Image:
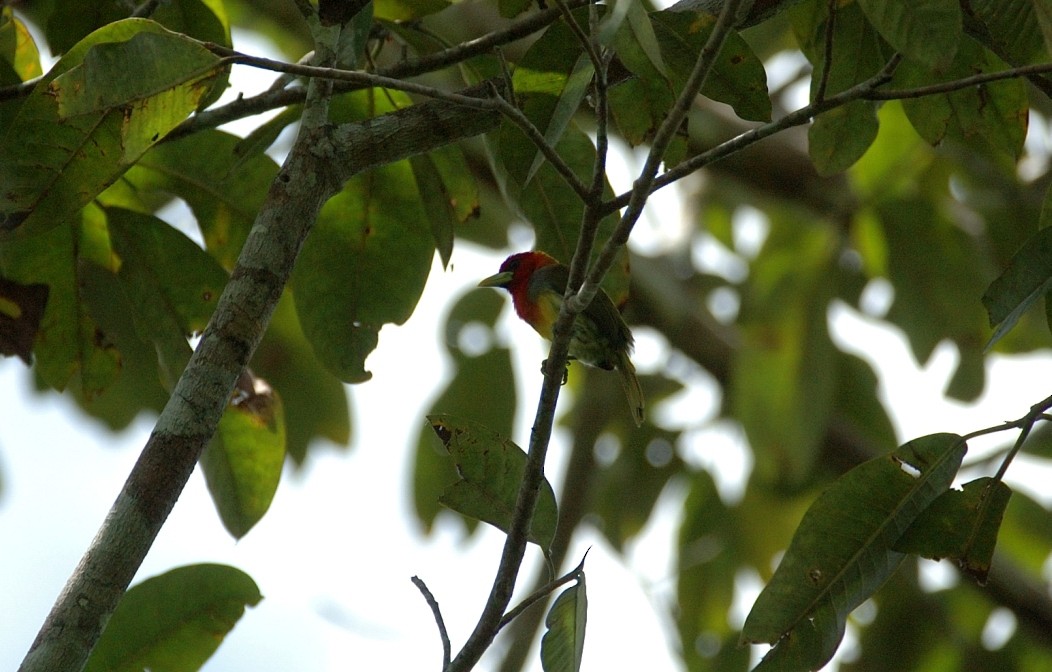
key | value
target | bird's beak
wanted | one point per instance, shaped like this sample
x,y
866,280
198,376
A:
x,y
498,280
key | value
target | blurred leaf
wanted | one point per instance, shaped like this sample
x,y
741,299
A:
x,y
1026,533
490,469
512,8
626,491
857,399
1027,279
562,646
926,30
56,165
17,48
961,525
21,307
479,365
242,464
785,374
843,550
407,10
996,112
174,622
315,401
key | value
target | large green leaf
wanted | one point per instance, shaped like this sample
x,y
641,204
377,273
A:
x,y
844,550
562,646
364,265
54,164
172,284
174,622
490,469
927,30
242,464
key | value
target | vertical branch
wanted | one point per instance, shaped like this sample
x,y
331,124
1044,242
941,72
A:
x,y
662,138
827,55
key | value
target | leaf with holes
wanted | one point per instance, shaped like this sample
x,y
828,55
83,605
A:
x,y
843,550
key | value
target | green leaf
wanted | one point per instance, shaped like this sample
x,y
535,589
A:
x,y
155,79
223,187
490,470
1027,279
17,48
737,78
407,10
1009,28
364,265
1043,13
927,30
242,464
961,525
995,113
172,283
448,192
843,550
563,644
174,622
56,165
840,136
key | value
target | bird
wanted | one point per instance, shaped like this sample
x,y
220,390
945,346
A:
x,y
537,283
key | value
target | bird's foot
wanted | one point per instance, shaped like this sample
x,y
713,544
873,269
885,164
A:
x,y
566,371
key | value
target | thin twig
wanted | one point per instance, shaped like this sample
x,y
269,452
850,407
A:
x,y
364,79
542,592
447,649
958,84
584,38
662,138
827,55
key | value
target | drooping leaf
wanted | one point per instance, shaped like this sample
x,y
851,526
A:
x,y
927,30
960,525
448,192
562,646
174,622
242,464
471,343
1027,279
844,550
490,469
838,138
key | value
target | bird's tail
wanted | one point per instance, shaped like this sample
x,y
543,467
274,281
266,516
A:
x,y
631,385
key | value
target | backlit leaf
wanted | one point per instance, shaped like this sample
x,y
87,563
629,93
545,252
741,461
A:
x,y
562,646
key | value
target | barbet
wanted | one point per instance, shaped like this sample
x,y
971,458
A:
x,y
600,338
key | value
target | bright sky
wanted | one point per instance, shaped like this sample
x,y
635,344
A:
x,y
334,555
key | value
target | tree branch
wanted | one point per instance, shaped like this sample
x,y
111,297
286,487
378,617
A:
x,y
439,621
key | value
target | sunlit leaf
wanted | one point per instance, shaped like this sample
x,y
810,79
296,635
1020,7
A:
x,y
562,646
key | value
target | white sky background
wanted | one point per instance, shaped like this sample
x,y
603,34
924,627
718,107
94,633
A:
x,y
334,555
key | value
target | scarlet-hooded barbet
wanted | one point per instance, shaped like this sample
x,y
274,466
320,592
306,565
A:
x,y
600,338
